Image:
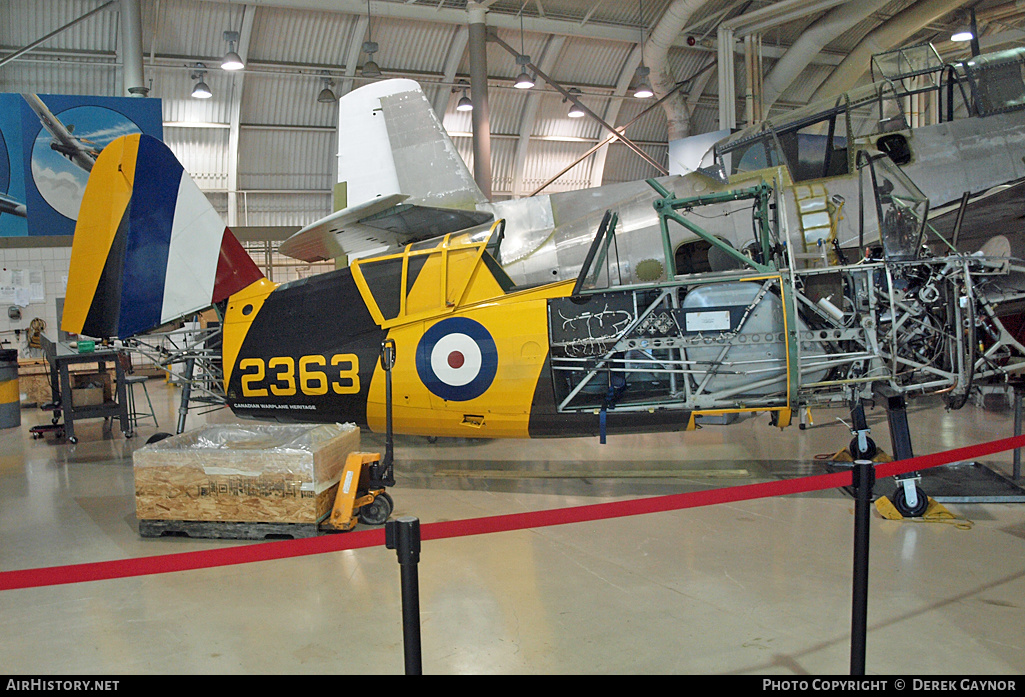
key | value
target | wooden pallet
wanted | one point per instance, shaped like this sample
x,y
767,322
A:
x,y
227,530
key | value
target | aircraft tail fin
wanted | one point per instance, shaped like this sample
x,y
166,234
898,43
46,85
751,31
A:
x,y
392,142
148,247
401,179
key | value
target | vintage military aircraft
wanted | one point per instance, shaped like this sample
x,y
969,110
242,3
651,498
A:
x,y
80,151
405,181
9,204
573,314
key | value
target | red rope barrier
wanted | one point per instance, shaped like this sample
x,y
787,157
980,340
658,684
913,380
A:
x,y
284,549
970,452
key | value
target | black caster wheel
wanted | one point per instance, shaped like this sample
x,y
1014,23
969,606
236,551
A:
x,y
157,437
857,454
377,512
900,502
73,440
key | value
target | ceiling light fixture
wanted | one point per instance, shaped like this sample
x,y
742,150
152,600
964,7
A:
x,y
643,90
575,110
968,30
232,61
370,68
523,80
327,96
200,90
464,103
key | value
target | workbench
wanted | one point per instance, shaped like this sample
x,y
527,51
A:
x,y
61,357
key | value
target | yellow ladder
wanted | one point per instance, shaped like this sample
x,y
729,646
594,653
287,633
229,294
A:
x,y
818,218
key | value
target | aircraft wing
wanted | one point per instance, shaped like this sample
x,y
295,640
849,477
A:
x,y
998,211
64,142
380,222
12,206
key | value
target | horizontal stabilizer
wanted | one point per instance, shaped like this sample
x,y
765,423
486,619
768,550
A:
x,y
148,247
378,223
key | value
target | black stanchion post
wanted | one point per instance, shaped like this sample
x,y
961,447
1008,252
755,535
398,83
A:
x,y
864,479
1019,392
382,473
403,535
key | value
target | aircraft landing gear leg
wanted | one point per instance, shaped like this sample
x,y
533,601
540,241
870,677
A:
x,y
861,446
908,498
183,407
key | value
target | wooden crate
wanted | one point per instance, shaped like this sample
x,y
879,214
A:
x,y
264,473
34,380
91,389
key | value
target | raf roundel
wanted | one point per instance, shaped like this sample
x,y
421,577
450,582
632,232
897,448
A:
x,y
457,359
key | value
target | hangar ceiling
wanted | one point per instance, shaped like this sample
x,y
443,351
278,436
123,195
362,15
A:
x,y
263,147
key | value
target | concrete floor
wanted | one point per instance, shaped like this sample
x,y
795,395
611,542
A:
x,y
756,587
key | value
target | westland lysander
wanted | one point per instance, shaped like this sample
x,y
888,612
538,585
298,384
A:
x,y
689,295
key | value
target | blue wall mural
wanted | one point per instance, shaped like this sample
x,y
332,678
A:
x,y
49,143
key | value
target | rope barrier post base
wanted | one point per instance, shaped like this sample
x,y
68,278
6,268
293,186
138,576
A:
x,y
403,535
864,480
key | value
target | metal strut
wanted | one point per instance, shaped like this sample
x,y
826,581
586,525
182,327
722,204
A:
x,y
909,500
382,473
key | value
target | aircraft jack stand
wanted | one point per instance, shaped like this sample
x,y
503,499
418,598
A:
x,y
908,499
804,418
935,513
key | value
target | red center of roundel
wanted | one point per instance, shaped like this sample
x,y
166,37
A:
x,y
456,360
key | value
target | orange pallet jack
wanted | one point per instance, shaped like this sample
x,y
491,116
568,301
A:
x,y
361,493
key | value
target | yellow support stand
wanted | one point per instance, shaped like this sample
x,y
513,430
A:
x,y
934,513
845,456
804,418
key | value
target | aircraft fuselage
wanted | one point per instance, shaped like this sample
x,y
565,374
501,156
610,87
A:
x,y
309,351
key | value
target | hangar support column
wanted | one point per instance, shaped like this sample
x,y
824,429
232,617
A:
x,y
479,94
131,33
749,23
235,115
